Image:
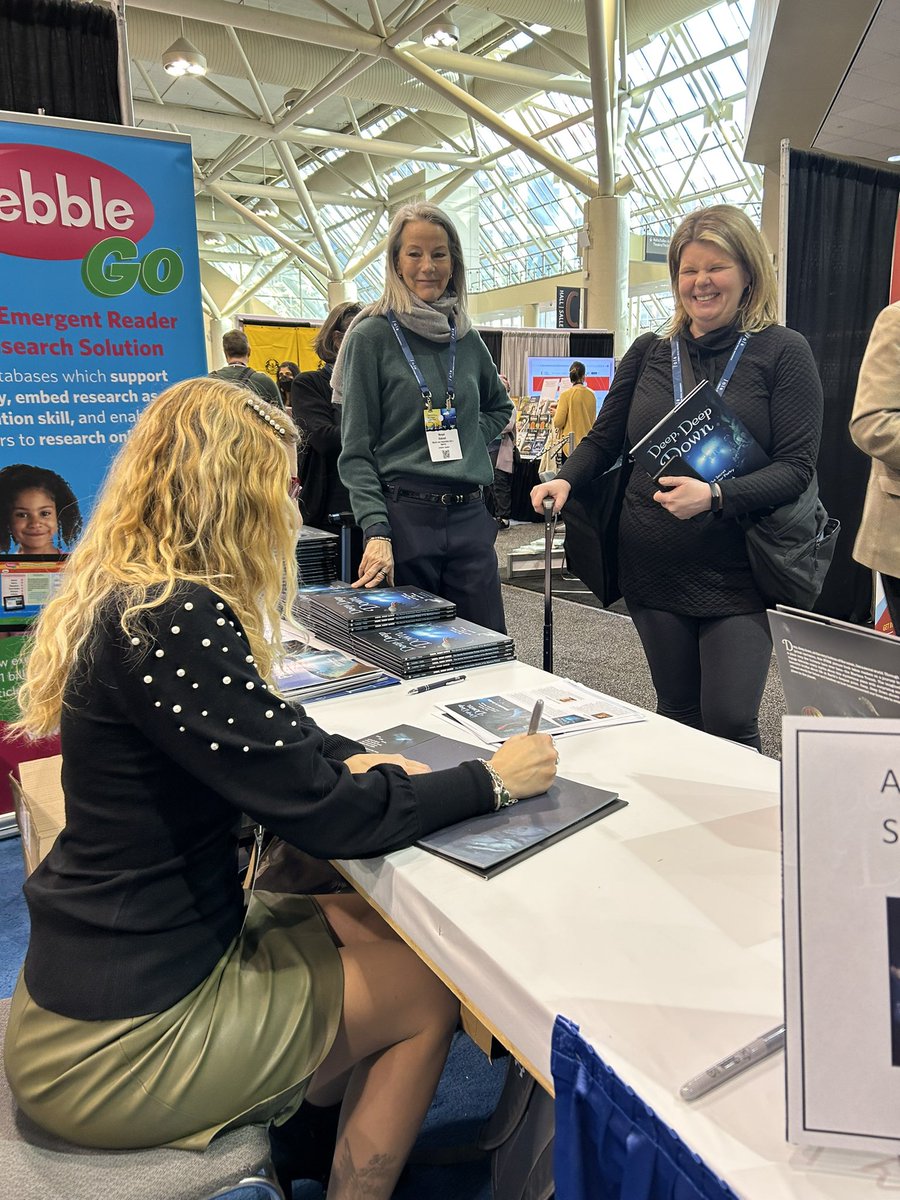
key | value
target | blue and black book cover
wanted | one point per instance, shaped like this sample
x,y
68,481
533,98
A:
x,y
700,437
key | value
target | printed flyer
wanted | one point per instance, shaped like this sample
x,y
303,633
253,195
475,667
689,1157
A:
x,y
99,307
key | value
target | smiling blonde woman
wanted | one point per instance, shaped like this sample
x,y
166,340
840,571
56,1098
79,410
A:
x,y
421,401
683,565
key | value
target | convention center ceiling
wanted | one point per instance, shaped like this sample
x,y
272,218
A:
x,y
315,118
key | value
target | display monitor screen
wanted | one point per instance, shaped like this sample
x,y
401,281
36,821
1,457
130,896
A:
x,y
27,582
547,377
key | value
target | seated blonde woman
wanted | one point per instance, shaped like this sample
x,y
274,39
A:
x,y
155,1006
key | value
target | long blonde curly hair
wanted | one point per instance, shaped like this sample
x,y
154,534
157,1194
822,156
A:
x,y
197,494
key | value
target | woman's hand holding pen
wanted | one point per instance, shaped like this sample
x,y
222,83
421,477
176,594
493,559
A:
x,y
527,764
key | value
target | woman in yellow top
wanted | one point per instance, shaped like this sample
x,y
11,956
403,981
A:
x,y
576,407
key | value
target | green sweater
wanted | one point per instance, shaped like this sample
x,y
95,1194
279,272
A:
x,y
382,426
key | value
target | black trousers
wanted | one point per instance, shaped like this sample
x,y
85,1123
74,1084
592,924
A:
x,y
709,672
448,550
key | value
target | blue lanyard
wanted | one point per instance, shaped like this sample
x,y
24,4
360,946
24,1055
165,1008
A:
x,y
414,366
678,385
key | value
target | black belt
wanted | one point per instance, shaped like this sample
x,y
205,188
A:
x,y
445,498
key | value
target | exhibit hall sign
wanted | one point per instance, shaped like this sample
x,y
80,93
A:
x,y
99,299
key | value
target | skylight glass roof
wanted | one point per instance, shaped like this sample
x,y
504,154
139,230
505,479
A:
x,y
682,148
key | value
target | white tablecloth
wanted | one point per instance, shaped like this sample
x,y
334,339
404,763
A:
x,y
657,930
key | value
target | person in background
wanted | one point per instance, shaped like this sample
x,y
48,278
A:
x,y
503,456
875,428
421,401
236,349
160,1003
286,374
319,422
683,564
38,511
576,408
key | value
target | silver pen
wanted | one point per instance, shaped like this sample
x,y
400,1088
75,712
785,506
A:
x,y
536,713
753,1052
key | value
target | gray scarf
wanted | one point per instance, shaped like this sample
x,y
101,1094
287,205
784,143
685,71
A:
x,y
427,320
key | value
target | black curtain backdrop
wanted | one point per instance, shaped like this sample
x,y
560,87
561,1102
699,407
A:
x,y
61,56
591,345
493,339
841,222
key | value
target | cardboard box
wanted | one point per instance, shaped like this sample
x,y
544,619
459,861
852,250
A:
x,y
39,806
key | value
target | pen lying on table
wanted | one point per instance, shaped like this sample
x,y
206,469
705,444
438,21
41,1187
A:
x,y
740,1060
429,687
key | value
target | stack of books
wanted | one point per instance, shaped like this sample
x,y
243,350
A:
x,y
317,556
423,649
331,611
309,671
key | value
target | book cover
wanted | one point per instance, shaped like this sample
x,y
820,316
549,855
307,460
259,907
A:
x,y
700,437
442,641
307,667
830,668
493,843
366,608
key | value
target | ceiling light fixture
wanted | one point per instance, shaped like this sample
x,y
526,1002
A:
x,y
213,237
893,158
183,58
442,34
264,206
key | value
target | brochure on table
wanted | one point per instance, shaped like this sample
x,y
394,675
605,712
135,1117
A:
x,y
568,708
841,829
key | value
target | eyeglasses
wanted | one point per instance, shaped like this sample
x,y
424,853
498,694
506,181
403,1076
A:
x,y
294,488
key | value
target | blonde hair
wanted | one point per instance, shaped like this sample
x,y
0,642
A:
x,y
396,294
731,230
197,494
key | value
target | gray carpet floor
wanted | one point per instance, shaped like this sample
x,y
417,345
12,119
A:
x,y
599,648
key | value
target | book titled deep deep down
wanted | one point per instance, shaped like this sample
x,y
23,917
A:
x,y
700,437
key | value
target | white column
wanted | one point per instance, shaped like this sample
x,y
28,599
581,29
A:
x,y
606,267
340,290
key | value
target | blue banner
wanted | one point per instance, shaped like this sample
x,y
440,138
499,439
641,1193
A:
x,y
99,309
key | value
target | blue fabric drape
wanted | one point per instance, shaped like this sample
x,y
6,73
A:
x,y
609,1144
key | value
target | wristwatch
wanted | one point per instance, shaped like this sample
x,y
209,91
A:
x,y
502,798
716,498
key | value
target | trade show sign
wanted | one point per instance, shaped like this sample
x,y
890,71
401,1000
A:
x,y
841,846
99,295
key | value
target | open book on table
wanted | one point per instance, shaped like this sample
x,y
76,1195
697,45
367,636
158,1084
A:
x,y
490,844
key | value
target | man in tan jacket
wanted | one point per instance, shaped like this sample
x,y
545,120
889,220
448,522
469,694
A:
x,y
875,428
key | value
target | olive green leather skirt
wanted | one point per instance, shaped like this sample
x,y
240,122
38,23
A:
x,y
238,1049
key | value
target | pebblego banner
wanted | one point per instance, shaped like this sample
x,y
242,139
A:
x,y
99,309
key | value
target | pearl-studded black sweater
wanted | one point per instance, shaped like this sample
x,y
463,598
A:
x,y
165,743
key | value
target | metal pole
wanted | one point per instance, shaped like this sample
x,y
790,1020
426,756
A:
x,y
784,187
126,102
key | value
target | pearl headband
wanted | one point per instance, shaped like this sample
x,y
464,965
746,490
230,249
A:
x,y
264,416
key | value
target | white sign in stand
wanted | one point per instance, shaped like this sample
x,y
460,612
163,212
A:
x,y
841,831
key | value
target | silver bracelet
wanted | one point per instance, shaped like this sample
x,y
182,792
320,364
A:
x,y
502,798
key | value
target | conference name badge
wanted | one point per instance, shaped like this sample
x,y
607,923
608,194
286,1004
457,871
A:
x,y
442,435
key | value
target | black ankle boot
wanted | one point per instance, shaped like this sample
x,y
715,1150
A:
x,y
303,1147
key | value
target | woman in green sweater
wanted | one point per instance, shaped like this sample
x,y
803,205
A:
x,y
421,401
